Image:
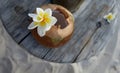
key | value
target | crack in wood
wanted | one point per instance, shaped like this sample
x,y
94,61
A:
x,y
85,29
84,45
24,38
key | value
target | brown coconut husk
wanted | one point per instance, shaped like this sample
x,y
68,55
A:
x,y
56,36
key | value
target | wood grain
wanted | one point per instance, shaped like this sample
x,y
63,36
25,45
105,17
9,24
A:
x,y
31,45
14,15
86,37
99,40
85,26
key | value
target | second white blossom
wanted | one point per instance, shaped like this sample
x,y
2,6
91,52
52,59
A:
x,y
109,17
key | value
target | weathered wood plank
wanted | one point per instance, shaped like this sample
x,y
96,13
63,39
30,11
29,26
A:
x,y
15,20
32,46
23,43
14,15
99,40
96,43
83,32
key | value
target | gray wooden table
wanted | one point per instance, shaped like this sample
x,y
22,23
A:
x,y
87,36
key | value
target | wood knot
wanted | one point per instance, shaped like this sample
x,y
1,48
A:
x,y
99,24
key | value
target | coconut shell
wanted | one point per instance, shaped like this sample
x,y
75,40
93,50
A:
x,y
60,33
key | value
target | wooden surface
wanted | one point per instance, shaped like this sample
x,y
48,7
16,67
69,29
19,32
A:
x,y
86,38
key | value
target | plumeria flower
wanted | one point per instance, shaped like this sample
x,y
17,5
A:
x,y
42,20
109,17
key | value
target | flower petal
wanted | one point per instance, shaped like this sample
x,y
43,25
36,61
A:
x,y
109,17
36,20
110,14
32,15
48,27
32,26
53,20
48,11
41,31
40,12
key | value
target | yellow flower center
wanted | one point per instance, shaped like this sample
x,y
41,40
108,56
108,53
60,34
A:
x,y
110,17
44,20
38,18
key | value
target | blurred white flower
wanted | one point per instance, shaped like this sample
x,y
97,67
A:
x,y
109,17
42,20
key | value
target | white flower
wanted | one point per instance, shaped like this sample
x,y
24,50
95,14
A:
x,y
42,20
109,17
